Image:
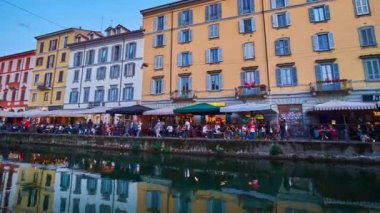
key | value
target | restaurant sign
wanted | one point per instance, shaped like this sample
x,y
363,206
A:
x,y
371,98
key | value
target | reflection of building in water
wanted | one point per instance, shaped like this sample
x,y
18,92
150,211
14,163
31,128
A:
x,y
153,196
8,179
34,189
78,191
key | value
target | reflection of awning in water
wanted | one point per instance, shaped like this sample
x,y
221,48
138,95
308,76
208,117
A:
x,y
198,109
344,105
248,107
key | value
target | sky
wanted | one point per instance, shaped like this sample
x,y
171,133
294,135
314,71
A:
x,y
20,27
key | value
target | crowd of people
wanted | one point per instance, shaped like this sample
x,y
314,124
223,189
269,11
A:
x,y
264,130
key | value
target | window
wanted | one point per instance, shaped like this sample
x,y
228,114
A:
x,y
2,67
41,47
47,81
36,79
34,97
18,64
86,94
63,57
116,53
372,69
76,76
319,13
158,62
25,77
362,7
88,74
214,12
65,41
73,96
39,61
78,59
58,96
157,86
185,18
184,84
281,20
90,57
246,7
99,94
185,36
213,55
131,50
159,23
27,64
60,76
247,25
102,58
213,31
367,36
184,59
214,82
50,62
153,201
53,45
216,205
323,42
46,96
250,77
101,73
129,69
45,204
327,75
7,79
17,76
282,46
249,50
159,40
286,76
279,3
10,66
113,94
115,72
22,96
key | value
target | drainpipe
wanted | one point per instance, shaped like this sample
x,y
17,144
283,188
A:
x,y
81,76
55,69
121,69
171,54
266,46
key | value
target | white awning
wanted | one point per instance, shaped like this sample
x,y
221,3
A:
x,y
162,111
95,110
248,107
344,105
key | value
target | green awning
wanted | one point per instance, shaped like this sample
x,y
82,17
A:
x,y
198,109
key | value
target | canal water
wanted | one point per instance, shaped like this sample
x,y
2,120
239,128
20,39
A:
x,y
45,179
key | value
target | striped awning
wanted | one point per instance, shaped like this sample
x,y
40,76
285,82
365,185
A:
x,y
344,105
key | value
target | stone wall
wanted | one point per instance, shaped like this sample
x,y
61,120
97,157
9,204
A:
x,y
328,151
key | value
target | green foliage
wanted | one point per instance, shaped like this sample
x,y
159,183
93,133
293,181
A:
x,y
136,147
157,147
276,150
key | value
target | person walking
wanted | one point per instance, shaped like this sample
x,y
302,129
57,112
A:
x,y
139,127
252,130
157,129
187,128
282,122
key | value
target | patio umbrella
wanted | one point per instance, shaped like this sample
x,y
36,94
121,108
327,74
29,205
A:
x,y
198,109
131,110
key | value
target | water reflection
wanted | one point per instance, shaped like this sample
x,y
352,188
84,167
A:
x,y
51,180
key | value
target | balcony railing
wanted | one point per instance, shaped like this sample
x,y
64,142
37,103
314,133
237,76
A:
x,y
251,91
187,95
43,86
329,86
14,85
95,104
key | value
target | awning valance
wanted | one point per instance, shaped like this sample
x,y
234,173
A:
x,y
198,109
131,110
162,111
95,110
344,105
248,107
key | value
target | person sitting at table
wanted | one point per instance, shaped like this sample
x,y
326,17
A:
x,y
332,132
217,129
206,130
322,132
243,132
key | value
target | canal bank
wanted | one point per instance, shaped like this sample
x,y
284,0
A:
x,y
355,152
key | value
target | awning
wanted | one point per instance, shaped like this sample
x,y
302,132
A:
x,y
162,111
344,105
131,110
198,109
95,110
248,107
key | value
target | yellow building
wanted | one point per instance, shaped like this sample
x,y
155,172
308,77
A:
x,y
34,190
280,52
50,73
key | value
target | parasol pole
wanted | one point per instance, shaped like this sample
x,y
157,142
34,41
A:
x,y
346,135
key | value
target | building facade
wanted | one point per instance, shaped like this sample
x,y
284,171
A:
x,y
106,70
47,89
15,79
291,54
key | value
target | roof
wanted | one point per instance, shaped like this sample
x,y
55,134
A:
x,y
173,5
29,52
95,32
59,32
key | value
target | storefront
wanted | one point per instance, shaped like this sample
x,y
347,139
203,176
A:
x,y
293,115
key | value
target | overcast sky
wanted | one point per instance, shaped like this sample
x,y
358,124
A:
x,y
20,27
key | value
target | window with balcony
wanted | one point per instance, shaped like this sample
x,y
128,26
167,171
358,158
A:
x,y
327,75
249,50
247,25
214,55
250,78
128,92
131,50
185,18
213,31
50,61
157,86
158,62
362,7
47,80
113,94
367,36
159,41
372,68
281,20
73,96
286,76
185,36
159,23
78,59
90,57
319,13
246,7
116,53
103,52
184,59
323,42
129,69
282,47
184,85
115,72
214,12
101,73
214,82
279,3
